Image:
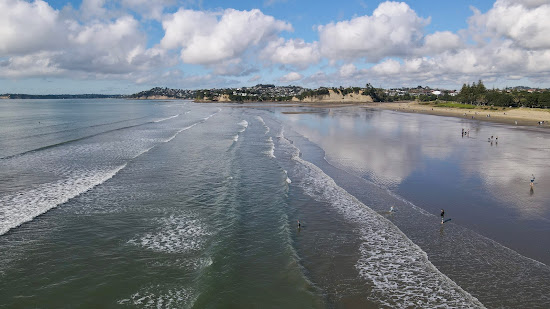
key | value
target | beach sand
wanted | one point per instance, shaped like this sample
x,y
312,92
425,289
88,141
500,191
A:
x,y
519,116
514,116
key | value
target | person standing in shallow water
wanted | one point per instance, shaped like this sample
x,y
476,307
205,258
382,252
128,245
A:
x,y
442,215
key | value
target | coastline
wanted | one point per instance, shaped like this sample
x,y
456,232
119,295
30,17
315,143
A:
x,y
521,116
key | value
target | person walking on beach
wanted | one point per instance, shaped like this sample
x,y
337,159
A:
x,y
532,180
442,215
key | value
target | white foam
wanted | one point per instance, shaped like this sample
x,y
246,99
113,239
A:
x,y
243,124
400,271
144,151
281,133
178,132
176,234
164,119
287,179
25,206
184,262
271,151
260,119
158,297
210,116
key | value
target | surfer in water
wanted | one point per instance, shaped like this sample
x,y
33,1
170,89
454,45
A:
x,y
442,215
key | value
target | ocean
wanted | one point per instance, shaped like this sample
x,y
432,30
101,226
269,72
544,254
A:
x,y
173,204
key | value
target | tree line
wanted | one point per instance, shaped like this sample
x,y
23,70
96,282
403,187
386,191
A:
x,y
478,94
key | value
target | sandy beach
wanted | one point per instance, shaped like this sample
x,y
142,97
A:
x,y
519,116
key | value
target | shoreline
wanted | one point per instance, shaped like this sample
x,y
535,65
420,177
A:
x,y
521,116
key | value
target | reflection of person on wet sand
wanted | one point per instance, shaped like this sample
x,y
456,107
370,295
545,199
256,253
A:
x,y
442,230
531,191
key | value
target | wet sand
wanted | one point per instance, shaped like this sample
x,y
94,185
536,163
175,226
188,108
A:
x,y
519,116
514,116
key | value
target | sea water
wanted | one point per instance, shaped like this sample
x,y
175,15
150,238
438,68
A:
x,y
172,204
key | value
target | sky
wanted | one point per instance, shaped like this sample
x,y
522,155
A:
x,y
126,46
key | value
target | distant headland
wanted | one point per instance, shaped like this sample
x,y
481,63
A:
x,y
59,96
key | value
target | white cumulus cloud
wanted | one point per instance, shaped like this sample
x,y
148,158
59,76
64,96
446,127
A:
x,y
37,40
295,52
440,41
210,37
394,29
527,23
147,8
93,8
28,26
348,70
510,41
387,67
291,77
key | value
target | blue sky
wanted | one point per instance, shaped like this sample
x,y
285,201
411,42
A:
x,y
125,46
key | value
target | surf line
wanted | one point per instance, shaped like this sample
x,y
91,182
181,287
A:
x,y
77,128
208,117
74,140
55,195
378,233
164,119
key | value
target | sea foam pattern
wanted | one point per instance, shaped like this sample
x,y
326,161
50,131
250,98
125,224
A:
x,y
157,297
244,125
271,151
261,120
178,132
176,234
25,206
167,118
210,116
287,179
16,209
402,275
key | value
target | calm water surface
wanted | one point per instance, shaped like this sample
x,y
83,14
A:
x,y
171,204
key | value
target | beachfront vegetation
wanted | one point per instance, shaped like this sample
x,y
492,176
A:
x,y
477,94
455,105
313,93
